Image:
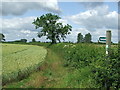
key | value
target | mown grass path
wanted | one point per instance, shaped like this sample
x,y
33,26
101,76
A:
x,y
51,74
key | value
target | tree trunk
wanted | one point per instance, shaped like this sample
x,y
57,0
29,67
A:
x,y
53,39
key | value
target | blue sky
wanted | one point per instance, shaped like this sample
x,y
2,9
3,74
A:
x,y
85,17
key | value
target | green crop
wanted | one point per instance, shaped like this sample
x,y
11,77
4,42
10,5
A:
x,y
19,60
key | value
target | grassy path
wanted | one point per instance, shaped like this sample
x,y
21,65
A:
x,y
52,74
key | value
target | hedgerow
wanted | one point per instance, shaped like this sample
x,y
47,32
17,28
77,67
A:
x,y
103,69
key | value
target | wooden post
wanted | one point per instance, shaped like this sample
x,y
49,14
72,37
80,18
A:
x,y
108,42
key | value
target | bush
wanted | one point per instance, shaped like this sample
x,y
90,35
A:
x,y
105,69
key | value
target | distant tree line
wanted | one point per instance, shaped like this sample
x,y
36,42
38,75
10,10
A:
x,y
22,40
86,39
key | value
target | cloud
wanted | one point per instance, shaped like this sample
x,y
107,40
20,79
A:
x,y
18,23
63,21
91,5
73,36
20,8
95,21
100,32
26,31
23,28
18,28
97,18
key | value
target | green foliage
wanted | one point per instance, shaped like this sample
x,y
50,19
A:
x,y
23,40
104,70
87,64
80,55
18,41
87,38
107,74
51,28
33,40
79,38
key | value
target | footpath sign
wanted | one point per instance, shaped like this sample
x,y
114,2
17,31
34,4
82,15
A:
x,y
106,40
102,39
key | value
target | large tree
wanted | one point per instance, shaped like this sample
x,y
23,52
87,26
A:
x,y
2,37
51,27
33,40
87,38
79,38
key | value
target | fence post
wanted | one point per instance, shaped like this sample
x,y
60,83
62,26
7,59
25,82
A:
x,y
108,42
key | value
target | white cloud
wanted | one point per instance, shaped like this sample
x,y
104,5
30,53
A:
x,y
17,28
25,31
63,21
18,23
73,36
95,21
96,18
19,8
100,32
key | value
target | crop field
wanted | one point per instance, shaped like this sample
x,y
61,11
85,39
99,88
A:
x,y
19,60
73,65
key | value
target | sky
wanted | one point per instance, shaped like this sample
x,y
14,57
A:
x,y
84,17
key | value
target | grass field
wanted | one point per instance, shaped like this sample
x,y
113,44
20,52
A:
x,y
20,59
69,65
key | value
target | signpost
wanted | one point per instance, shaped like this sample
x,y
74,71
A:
x,y
108,42
102,39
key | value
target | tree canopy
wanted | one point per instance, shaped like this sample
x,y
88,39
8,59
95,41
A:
x,y
79,38
23,40
51,28
87,38
33,40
